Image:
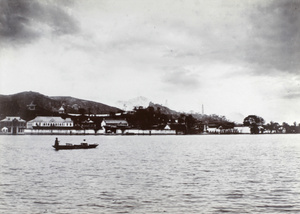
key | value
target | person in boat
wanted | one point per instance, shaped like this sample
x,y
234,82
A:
x,y
84,142
56,142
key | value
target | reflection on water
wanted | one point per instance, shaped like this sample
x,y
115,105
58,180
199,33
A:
x,y
151,174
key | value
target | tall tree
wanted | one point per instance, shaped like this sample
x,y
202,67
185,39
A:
x,y
253,121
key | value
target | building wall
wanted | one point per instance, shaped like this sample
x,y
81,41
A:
x,y
150,132
235,130
56,124
49,122
243,130
114,123
61,132
12,125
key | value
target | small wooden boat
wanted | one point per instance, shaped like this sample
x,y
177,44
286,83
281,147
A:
x,y
75,146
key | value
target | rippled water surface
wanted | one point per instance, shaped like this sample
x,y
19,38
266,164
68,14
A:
x,y
151,174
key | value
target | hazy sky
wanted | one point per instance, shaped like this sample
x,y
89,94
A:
x,y
236,57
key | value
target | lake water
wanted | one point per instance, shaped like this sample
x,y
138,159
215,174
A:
x,y
151,174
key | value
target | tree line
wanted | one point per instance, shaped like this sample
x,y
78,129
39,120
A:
x,y
258,125
154,118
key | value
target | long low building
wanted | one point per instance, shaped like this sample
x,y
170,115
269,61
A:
x,y
149,132
56,125
50,125
116,126
66,126
49,122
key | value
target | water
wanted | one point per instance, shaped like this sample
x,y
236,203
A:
x,y
151,174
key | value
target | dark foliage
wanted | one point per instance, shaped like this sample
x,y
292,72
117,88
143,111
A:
x,y
17,105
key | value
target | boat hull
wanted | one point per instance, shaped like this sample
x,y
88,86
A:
x,y
69,147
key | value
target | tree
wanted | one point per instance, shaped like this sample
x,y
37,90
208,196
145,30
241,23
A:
x,y
181,118
272,126
276,127
253,122
81,111
286,127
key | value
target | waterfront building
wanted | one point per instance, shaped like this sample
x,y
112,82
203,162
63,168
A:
x,y
243,129
49,125
158,130
49,122
163,130
114,125
12,125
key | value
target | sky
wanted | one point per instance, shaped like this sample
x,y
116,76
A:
x,y
234,57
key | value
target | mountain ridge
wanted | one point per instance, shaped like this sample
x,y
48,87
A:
x,y
20,104
29,104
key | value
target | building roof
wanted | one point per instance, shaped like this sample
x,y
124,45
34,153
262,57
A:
x,y
50,119
115,121
11,118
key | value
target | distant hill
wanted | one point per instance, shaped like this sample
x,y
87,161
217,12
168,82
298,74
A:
x,y
211,119
145,103
164,110
134,102
30,104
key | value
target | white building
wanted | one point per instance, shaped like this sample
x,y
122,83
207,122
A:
x,y
54,122
61,110
114,125
12,125
50,125
243,129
